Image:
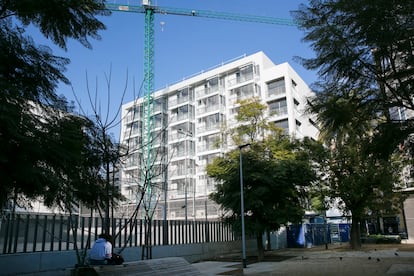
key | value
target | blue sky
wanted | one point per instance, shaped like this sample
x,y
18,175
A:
x,y
183,46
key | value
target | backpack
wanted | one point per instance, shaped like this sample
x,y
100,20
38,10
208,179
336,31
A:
x,y
116,259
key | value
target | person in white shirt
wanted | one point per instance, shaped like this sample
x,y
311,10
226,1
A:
x,y
101,251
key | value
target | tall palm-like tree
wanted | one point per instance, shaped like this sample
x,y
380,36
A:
x,y
356,176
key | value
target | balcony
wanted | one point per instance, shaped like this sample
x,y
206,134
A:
x,y
207,91
278,111
178,101
240,79
209,127
180,117
210,108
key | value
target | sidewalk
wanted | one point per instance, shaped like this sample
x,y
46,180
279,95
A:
x,y
338,260
395,259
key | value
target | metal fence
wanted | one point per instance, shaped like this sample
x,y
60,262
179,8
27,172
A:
x,y
309,234
21,233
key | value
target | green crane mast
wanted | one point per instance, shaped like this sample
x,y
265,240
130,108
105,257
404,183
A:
x,y
149,10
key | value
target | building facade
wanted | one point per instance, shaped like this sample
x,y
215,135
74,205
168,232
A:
x,y
186,127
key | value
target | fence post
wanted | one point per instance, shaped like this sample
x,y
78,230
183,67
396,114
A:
x,y
6,233
165,232
140,232
69,222
88,242
35,232
52,234
10,232
16,233
82,229
207,231
26,233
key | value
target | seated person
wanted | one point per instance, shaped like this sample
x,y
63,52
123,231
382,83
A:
x,y
101,251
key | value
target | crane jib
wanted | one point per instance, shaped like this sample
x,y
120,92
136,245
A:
x,y
202,13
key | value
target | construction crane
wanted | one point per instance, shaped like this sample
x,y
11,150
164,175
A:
x,y
149,10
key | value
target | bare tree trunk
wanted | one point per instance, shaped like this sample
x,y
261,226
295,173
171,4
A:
x,y
260,248
355,233
268,245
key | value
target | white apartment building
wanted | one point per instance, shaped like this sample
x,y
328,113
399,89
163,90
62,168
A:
x,y
187,123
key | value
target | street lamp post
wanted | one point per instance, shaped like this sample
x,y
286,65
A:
x,y
242,205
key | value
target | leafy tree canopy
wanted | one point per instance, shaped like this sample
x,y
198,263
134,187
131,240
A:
x,y
364,52
42,146
275,192
58,20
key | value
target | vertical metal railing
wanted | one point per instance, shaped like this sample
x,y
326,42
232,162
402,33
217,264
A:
x,y
21,233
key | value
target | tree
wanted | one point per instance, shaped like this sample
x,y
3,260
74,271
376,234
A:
x,y
59,20
251,114
363,182
364,53
365,48
274,192
34,123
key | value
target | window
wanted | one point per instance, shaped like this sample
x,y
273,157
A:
x,y
134,142
234,110
223,100
133,113
134,128
296,102
398,113
213,120
312,122
214,100
213,84
157,120
133,160
207,159
209,142
276,87
284,124
160,103
278,107
243,91
183,93
246,73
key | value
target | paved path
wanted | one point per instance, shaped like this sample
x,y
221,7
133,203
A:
x,y
389,260
371,260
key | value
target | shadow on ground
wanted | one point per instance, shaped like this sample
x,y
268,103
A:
x,y
289,253
270,256
338,259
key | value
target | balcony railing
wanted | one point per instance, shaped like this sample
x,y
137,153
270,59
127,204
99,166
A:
x,y
278,111
240,79
178,101
207,91
209,127
209,108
